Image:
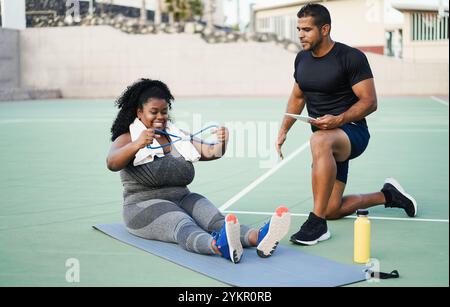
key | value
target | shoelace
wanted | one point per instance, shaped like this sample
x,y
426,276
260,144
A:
x,y
309,225
309,222
215,235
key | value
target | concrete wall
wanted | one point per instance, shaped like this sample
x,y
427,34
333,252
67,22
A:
x,y
101,62
9,59
89,62
427,51
10,71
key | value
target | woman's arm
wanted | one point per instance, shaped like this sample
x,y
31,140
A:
x,y
213,152
123,149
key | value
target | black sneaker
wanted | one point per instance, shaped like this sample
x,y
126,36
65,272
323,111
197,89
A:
x,y
396,197
312,231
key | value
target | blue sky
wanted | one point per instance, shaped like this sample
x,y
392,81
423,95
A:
x,y
230,10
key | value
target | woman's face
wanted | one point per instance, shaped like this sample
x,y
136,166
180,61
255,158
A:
x,y
154,113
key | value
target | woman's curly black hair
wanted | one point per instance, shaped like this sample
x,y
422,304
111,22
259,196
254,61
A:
x,y
133,99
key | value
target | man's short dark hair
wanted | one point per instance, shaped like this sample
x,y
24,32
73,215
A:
x,y
318,12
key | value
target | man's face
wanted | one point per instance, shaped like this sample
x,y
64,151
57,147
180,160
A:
x,y
310,35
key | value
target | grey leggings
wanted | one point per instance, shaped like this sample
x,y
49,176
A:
x,y
188,222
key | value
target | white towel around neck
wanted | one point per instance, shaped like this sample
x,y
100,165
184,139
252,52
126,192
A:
x,y
146,155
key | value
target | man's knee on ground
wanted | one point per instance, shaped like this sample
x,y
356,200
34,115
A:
x,y
335,215
333,211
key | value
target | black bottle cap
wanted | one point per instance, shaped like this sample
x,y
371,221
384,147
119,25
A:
x,y
362,212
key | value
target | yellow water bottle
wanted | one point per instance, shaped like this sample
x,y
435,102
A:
x,y
362,237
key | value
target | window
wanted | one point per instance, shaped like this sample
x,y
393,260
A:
x,y
429,27
283,26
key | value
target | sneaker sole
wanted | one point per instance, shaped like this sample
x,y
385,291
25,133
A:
x,y
233,230
278,228
323,237
401,190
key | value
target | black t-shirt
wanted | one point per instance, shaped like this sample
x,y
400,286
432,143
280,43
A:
x,y
327,81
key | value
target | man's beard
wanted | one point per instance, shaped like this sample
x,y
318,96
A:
x,y
316,46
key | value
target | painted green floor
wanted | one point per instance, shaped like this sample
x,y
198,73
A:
x,y
54,186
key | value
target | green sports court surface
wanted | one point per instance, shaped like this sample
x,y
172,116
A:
x,y
54,186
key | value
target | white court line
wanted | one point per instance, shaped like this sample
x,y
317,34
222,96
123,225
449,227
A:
x,y
259,180
347,217
410,130
445,103
53,120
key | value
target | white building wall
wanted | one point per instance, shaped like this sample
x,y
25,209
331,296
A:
x,y
354,22
429,48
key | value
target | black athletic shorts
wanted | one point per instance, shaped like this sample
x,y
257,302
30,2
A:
x,y
359,136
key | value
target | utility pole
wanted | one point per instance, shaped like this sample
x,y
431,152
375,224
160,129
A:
x,y
238,14
210,14
143,19
91,8
157,12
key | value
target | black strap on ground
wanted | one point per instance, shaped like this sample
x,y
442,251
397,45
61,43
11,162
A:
x,y
382,275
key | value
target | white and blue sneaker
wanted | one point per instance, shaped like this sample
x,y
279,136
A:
x,y
270,235
396,197
228,240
